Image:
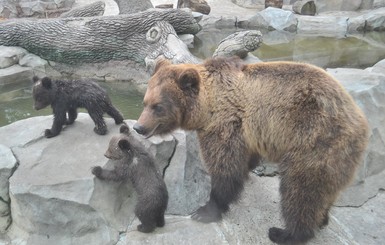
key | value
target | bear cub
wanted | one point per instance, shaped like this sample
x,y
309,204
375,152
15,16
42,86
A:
x,y
133,162
65,96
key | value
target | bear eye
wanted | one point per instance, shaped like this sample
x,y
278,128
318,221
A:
x,y
157,108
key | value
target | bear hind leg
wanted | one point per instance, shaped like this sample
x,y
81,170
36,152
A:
x,y
100,124
115,114
306,197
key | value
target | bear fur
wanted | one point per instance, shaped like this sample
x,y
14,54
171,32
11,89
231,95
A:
x,y
65,96
131,161
291,113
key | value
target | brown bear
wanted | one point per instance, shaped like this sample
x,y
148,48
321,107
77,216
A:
x,y
292,113
65,96
131,161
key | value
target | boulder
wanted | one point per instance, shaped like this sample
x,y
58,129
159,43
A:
x,y
10,56
54,196
200,6
8,165
26,8
324,25
338,5
371,21
272,19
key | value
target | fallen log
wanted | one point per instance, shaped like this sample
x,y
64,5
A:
x,y
94,39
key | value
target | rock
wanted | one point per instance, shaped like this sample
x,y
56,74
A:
x,y
15,74
305,7
379,67
188,39
272,19
10,56
378,4
249,3
54,196
371,21
200,6
34,61
273,3
368,90
8,165
187,182
25,8
327,25
338,5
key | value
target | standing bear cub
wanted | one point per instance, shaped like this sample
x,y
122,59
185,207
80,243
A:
x,y
133,162
65,96
292,113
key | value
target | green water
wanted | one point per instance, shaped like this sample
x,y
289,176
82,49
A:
x,y
16,101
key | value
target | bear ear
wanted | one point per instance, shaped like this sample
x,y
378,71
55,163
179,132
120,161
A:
x,y
124,145
47,83
189,81
161,63
124,129
35,79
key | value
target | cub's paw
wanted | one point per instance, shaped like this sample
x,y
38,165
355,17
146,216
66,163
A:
x,y
278,235
48,133
97,171
100,131
208,213
145,229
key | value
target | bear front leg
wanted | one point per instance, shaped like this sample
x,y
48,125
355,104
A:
x,y
58,122
104,174
227,160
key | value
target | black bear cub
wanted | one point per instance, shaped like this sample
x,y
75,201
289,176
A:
x,y
65,96
133,162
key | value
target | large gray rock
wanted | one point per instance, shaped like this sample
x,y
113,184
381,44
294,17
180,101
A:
x,y
324,25
8,164
54,196
368,89
371,21
26,8
272,19
10,56
15,74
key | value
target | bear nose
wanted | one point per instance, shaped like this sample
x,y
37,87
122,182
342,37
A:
x,y
139,128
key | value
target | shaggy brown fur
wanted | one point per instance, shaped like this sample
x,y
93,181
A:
x,y
291,113
133,162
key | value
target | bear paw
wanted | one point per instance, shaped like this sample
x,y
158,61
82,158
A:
x,y
100,131
48,133
208,213
284,236
145,228
97,171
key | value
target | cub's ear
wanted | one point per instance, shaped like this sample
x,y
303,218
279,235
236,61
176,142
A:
x,y
124,129
35,79
47,83
124,145
163,62
189,81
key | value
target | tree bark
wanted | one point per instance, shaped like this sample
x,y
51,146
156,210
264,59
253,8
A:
x,y
133,6
239,44
78,40
89,10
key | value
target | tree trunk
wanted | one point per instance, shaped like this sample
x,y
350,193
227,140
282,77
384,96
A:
x,y
78,40
133,6
239,44
89,10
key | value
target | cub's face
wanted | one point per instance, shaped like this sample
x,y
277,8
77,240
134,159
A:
x,y
120,146
167,100
42,92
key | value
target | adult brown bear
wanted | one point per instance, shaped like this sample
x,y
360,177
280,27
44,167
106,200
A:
x,y
291,113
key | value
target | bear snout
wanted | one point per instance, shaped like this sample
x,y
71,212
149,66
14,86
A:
x,y
139,129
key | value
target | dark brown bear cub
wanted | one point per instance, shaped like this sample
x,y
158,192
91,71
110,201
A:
x,y
65,96
292,113
133,162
